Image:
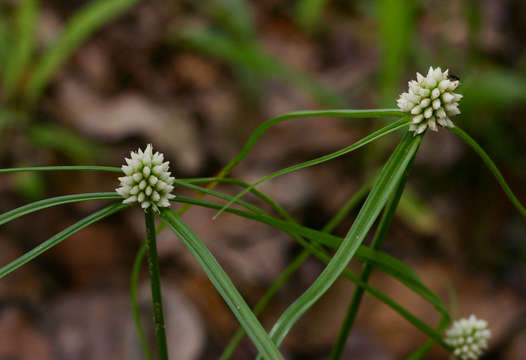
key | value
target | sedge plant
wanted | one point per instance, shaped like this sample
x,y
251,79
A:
x,y
430,103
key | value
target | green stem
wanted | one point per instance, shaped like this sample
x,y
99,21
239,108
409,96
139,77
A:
x,y
155,280
376,244
134,280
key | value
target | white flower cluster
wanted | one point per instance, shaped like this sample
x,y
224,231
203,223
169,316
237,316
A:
x,y
468,337
431,100
147,181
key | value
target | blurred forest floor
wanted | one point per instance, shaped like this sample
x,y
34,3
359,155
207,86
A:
x,y
178,75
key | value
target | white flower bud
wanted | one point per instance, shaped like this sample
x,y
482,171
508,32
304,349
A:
x,y
430,101
147,181
468,337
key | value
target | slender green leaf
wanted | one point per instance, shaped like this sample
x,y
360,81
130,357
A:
x,y
262,129
387,180
367,268
61,236
86,21
21,49
63,168
223,284
59,200
358,144
293,266
382,261
492,167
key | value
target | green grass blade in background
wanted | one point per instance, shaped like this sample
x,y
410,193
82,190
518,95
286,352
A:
x,y
21,50
250,59
60,139
381,191
63,168
86,21
5,40
362,142
223,284
61,236
55,201
309,12
492,167
235,17
396,24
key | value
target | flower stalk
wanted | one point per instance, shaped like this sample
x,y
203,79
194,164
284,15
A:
x,y
155,281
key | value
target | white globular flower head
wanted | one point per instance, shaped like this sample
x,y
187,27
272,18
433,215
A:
x,y
468,338
147,180
430,100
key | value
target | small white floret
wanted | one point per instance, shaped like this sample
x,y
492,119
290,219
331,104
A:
x,y
147,180
430,101
468,338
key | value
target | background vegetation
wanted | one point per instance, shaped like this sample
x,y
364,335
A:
x,y
84,82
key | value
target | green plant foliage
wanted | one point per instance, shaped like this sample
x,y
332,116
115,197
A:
x,y
396,26
384,186
223,284
88,20
61,236
77,148
21,50
358,144
309,12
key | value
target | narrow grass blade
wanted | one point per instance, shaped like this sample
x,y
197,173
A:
x,y
293,266
136,312
63,168
338,113
376,244
384,186
59,200
492,167
21,49
358,144
223,284
61,236
89,19
382,261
